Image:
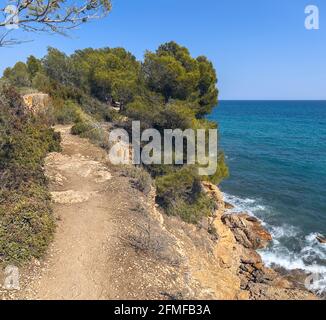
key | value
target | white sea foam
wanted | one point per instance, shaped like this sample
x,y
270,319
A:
x,y
284,231
316,273
311,258
244,205
290,262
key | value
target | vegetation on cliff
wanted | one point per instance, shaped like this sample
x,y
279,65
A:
x,y
169,89
26,221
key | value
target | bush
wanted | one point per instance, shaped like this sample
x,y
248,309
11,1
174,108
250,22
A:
x,y
142,179
183,184
81,128
180,194
87,127
26,221
66,113
193,211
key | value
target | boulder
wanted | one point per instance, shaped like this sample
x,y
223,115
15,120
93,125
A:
x,y
321,239
36,102
247,230
228,206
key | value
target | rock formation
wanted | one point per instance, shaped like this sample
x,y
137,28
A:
x,y
241,267
247,230
36,102
321,239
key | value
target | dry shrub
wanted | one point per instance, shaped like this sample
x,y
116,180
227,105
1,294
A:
x,y
149,238
141,178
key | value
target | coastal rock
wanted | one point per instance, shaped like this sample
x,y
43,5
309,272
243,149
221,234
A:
x,y
321,239
296,277
247,230
233,269
228,206
215,193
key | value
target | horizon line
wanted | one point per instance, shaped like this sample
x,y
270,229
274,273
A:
x,y
272,100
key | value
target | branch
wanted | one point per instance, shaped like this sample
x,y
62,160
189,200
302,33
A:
x,y
6,41
54,16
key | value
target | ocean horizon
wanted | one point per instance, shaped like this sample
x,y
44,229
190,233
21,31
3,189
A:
x,y
271,100
276,152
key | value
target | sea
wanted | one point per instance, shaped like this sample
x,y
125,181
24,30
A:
x,y
276,153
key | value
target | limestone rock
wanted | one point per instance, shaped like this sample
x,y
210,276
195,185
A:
x,y
71,196
36,102
229,206
248,230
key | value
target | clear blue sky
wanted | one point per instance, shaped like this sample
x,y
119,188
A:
x,y
260,48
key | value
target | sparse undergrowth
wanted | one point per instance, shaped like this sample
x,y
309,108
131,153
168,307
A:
x,y
150,239
141,178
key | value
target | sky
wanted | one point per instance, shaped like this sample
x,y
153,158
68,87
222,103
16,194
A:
x,y
260,48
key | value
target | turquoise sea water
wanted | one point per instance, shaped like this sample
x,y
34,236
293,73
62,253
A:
x,y
276,152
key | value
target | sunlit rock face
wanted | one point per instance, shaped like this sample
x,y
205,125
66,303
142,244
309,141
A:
x,y
36,102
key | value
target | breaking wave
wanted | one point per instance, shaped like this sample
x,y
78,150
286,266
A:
x,y
309,256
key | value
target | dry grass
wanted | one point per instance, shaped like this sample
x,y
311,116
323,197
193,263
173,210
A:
x,y
149,238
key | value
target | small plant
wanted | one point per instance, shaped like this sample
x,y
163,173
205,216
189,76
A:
x,y
88,128
150,239
142,179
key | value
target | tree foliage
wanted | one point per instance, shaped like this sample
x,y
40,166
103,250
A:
x,y
18,75
172,72
170,89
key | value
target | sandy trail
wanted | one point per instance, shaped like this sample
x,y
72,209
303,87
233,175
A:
x,y
78,265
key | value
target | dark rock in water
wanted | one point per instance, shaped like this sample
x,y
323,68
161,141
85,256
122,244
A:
x,y
321,239
228,206
248,230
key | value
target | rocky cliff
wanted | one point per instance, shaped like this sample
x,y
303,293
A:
x,y
220,259
36,102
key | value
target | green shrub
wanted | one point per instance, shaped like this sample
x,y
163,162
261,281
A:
x,y
81,128
66,113
26,221
180,193
193,211
87,127
181,184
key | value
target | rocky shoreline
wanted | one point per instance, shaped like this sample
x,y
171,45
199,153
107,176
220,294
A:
x,y
256,280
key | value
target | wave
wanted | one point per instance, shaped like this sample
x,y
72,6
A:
x,y
244,205
310,257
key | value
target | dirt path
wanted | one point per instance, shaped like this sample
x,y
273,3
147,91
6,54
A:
x,y
101,249
78,265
